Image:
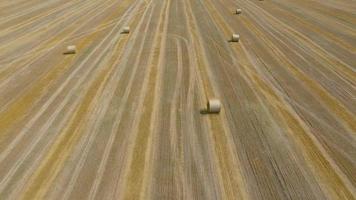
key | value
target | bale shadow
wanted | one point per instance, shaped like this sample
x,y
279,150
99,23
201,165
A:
x,y
231,41
204,111
67,53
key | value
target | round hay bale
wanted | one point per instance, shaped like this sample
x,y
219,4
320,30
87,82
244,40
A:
x,y
213,106
72,49
235,38
126,30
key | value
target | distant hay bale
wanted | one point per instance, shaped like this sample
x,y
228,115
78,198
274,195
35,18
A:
x,y
213,106
72,49
126,30
235,38
238,11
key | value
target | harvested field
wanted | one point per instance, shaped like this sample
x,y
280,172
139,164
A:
x,y
123,115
